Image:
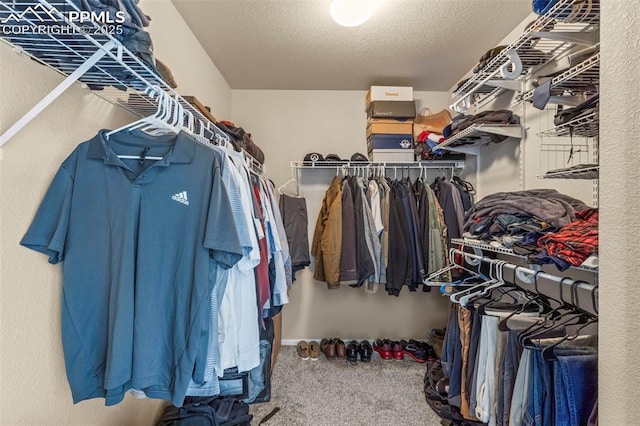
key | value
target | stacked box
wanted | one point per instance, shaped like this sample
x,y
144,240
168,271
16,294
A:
x,y
390,113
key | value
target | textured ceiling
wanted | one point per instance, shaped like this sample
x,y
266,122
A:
x,y
294,44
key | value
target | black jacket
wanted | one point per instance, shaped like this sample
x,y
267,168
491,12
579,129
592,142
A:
x,y
348,262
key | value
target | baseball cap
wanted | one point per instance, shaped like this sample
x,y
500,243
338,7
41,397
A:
x,y
312,157
359,157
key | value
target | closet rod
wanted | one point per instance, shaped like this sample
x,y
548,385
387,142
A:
x,y
437,164
562,289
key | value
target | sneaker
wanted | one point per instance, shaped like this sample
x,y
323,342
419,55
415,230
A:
x,y
396,350
383,348
414,352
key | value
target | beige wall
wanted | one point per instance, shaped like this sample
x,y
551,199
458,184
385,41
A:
x,y
619,374
289,124
175,45
33,385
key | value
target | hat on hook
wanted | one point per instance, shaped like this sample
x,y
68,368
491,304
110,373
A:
x,y
313,157
359,157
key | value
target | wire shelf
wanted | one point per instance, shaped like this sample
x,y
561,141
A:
x,y
44,31
582,78
586,126
555,156
478,135
481,245
545,38
581,171
435,164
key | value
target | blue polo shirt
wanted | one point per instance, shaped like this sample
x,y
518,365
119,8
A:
x,y
135,241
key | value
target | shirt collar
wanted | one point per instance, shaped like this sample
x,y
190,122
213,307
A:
x,y
182,151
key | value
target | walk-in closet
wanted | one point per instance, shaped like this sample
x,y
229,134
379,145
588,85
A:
x,y
319,212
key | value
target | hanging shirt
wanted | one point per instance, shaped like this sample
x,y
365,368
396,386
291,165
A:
x,y
238,328
136,241
241,298
279,296
376,207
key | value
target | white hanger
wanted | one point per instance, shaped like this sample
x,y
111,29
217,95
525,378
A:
x,y
293,180
484,288
155,121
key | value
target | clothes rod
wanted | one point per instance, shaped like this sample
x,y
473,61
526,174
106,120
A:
x,y
581,294
456,164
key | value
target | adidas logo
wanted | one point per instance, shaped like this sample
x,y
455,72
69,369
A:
x,y
181,197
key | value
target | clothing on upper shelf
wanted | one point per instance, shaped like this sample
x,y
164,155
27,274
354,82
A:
x,y
388,232
545,226
183,281
575,242
547,205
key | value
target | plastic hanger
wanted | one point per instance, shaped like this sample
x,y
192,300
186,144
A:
x,y
465,296
293,180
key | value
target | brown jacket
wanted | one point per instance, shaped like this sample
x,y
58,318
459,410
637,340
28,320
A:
x,y
327,237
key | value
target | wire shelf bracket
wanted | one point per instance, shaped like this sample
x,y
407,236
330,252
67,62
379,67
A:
x,y
56,92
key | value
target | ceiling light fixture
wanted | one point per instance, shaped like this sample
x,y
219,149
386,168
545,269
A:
x,y
351,13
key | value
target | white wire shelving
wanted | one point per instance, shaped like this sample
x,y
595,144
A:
x,y
333,165
483,246
585,126
582,78
583,171
86,53
469,140
549,36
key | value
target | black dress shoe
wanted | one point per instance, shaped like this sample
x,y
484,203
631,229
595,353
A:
x,y
365,351
352,351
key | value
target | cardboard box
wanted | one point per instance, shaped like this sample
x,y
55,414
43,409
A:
x,y
389,93
391,155
391,109
200,107
396,128
390,141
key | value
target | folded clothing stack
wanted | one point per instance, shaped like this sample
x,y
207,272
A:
x,y
242,140
462,121
541,224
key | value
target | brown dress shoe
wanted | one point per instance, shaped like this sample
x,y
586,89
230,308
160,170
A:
x,y
328,348
340,348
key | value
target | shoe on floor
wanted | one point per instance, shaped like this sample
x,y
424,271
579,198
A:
x,y
341,350
352,350
396,350
314,350
303,349
328,348
365,351
415,352
383,348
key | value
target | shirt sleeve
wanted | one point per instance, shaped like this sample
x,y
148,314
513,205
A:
x,y
48,231
221,234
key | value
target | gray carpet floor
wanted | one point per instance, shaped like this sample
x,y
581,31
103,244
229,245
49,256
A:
x,y
322,392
